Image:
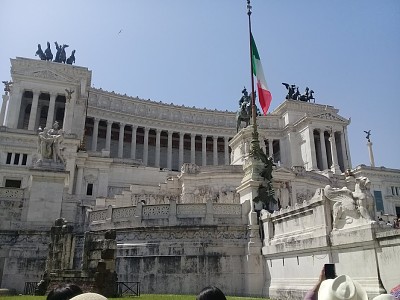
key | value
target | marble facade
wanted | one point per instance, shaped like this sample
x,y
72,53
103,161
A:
x,y
174,182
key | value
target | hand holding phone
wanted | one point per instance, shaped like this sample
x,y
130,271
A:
x,y
330,272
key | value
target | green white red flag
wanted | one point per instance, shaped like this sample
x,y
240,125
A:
x,y
264,95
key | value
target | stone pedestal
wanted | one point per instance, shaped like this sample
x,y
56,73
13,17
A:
x,y
248,190
46,191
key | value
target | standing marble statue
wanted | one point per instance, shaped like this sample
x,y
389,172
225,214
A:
x,y
49,144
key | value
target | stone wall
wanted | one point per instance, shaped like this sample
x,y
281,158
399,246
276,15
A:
x,y
183,259
299,240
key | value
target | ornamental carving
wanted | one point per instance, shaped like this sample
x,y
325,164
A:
x,y
98,215
124,212
191,209
227,209
11,193
156,210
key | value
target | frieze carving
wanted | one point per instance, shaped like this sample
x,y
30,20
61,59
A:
x,y
182,235
329,116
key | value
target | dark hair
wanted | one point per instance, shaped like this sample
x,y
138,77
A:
x,y
64,292
211,293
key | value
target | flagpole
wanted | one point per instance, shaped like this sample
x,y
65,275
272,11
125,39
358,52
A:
x,y
255,141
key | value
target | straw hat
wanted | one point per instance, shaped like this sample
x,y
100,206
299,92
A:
x,y
341,288
89,296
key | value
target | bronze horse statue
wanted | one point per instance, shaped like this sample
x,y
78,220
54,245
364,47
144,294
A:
x,y
243,115
40,52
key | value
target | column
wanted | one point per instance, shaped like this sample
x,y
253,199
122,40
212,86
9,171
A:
x,y
50,112
20,159
323,149
95,134
312,158
181,136
34,107
263,145
192,148
344,152
271,148
157,159
335,167
226,150
169,151
108,135
371,154
39,112
204,150
121,140
14,106
79,180
348,151
146,146
215,150
133,142
3,109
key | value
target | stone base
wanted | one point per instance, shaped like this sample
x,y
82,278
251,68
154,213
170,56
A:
x,y
47,164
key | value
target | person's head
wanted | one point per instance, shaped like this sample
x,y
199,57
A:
x,y
64,292
211,293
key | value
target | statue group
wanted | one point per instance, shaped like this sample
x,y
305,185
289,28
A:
x,y
61,56
294,94
50,144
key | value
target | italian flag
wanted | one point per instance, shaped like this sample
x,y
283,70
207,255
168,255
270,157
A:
x,y
264,95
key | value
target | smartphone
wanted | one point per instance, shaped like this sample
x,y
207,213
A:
x,y
330,272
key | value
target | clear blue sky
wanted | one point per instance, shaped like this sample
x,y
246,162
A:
x,y
196,53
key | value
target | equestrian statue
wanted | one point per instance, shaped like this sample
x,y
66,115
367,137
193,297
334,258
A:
x,y
244,112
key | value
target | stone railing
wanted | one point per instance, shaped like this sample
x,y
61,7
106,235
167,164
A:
x,y
11,193
171,214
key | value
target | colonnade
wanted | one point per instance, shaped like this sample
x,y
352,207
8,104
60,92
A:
x,y
190,138
329,150
40,100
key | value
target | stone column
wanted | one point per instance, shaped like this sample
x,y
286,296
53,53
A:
x,y
323,149
14,106
50,112
263,145
108,135
95,134
133,142
335,166
146,146
226,150
270,147
348,151
121,140
215,150
169,151
157,159
192,148
181,136
34,107
344,152
39,112
204,150
312,158
371,154
79,180
3,109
